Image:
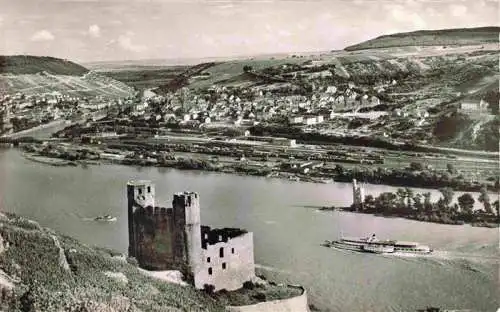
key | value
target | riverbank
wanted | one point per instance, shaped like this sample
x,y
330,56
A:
x,y
56,162
408,213
436,213
272,165
45,271
285,229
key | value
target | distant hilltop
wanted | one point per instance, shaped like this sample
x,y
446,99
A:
x,y
28,64
459,36
38,75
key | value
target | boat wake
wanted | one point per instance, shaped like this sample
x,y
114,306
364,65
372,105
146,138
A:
x,y
271,269
100,219
478,263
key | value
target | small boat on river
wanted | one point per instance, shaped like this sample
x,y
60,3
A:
x,y
105,218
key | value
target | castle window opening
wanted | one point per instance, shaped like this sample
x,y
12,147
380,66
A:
x,y
208,259
221,252
223,265
232,250
140,191
149,189
209,271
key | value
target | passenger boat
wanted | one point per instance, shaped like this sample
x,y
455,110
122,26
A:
x,y
374,245
105,218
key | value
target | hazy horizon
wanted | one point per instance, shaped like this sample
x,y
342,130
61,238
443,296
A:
x,y
90,31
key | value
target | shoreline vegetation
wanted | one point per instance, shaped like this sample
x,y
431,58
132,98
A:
x,y
405,203
300,168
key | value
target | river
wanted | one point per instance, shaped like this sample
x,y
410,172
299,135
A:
x,y
288,231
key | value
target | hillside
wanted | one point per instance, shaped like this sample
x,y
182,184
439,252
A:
x,y
27,64
33,75
444,37
44,271
431,70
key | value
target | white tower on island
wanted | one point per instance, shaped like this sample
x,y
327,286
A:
x,y
358,194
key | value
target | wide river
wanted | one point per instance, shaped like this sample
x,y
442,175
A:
x,y
288,231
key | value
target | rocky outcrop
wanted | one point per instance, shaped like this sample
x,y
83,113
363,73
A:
x,y
6,287
4,245
294,304
63,262
171,276
117,276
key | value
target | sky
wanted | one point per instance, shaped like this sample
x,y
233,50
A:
x,y
104,30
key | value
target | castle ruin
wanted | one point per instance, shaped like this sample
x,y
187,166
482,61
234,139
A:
x,y
173,239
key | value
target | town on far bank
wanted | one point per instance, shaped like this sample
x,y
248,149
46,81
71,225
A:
x,y
319,118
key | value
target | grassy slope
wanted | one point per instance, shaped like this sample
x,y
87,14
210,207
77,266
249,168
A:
x,y
465,36
37,75
33,258
27,64
146,76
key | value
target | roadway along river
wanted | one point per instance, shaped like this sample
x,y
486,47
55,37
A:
x,y
288,232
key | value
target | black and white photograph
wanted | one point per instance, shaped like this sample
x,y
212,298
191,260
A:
x,y
249,155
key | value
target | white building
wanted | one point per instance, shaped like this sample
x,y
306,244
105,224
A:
x,y
295,120
331,90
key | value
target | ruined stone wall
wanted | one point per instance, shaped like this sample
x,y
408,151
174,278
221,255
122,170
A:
x,y
295,304
227,265
171,239
139,194
164,239
187,231
153,228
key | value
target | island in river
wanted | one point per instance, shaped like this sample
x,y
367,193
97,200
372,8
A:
x,y
287,228
403,203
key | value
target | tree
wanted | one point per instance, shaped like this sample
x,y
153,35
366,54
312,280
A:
x,y
401,194
451,169
247,68
409,196
497,207
417,201
416,166
447,193
339,170
493,98
385,202
466,203
369,201
484,198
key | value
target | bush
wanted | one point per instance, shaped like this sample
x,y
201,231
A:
x,y
260,296
209,289
248,285
416,166
133,261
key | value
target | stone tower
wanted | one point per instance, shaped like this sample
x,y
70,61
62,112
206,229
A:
x,y
357,194
187,230
139,194
5,124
